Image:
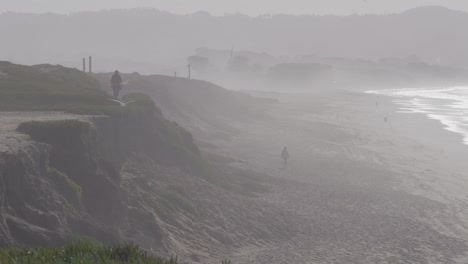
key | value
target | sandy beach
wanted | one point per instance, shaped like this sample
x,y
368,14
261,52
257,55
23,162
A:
x,y
360,189
357,189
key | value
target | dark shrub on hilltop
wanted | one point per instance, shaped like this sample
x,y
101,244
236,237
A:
x,y
64,132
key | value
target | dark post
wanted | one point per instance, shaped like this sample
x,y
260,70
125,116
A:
x,y
84,65
189,71
90,64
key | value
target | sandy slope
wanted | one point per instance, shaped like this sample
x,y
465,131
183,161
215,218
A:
x,y
361,190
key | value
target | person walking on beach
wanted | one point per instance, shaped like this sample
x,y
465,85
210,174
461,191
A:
x,y
285,156
116,83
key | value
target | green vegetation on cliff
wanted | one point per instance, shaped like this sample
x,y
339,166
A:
x,y
174,198
57,131
81,253
141,107
46,87
53,87
70,190
56,88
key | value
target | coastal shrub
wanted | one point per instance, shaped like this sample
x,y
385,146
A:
x,y
57,88
181,136
140,100
175,200
193,162
66,132
82,253
46,87
67,204
115,111
67,187
142,108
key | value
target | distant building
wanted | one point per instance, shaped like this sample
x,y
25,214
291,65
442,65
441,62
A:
x,y
300,75
199,63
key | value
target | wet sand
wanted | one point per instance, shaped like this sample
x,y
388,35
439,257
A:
x,y
362,190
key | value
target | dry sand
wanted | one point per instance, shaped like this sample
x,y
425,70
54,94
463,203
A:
x,y
362,190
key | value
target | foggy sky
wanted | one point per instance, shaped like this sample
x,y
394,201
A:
x,y
220,7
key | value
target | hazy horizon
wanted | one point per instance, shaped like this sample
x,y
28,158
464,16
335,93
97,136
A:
x,y
247,131
221,7
159,42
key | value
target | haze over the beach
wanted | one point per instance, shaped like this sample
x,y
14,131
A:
x,y
233,131
221,7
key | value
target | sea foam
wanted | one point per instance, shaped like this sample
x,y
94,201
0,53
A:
x,y
449,106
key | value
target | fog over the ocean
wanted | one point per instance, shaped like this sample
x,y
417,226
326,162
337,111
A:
x,y
220,7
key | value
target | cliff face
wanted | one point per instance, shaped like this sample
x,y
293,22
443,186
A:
x,y
126,179
33,207
128,175
62,183
31,212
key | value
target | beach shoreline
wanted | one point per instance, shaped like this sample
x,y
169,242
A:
x,y
438,154
358,163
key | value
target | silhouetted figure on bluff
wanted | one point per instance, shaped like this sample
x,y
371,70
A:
x,y
116,83
285,156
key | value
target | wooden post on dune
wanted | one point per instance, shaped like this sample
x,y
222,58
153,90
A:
x,y
189,71
90,64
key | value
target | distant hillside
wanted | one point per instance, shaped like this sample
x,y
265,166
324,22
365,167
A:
x,y
150,41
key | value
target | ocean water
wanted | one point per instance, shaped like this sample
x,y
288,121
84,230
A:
x,y
449,106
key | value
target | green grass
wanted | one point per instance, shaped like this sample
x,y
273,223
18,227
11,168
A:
x,y
66,203
67,133
82,253
175,200
57,88
67,186
143,107
46,87
44,129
